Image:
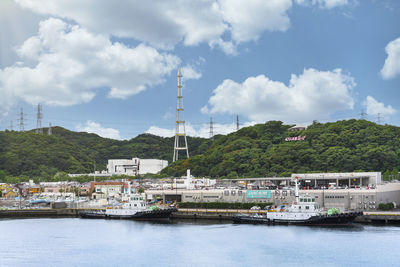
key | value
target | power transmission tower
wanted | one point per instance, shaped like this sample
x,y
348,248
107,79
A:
x,y
39,117
237,122
180,121
211,129
21,120
11,126
363,114
379,118
49,130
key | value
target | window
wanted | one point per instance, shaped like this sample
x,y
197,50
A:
x,y
307,207
233,192
240,192
226,193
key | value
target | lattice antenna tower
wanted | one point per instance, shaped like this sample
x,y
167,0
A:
x,y
21,120
180,131
39,116
211,129
237,122
49,131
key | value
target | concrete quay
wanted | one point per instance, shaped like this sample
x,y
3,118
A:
x,y
375,217
379,217
39,213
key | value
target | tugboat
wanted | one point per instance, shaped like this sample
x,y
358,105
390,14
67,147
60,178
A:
x,y
134,208
303,211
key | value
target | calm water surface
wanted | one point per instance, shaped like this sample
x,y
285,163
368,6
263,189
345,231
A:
x,y
85,242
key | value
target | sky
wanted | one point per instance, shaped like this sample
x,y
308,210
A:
x,y
110,67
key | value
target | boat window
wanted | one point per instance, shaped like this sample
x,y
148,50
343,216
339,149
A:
x,y
299,207
313,200
307,207
141,198
301,200
135,205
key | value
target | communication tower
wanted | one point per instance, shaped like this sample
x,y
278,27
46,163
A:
x,y
39,117
11,126
180,131
237,122
49,130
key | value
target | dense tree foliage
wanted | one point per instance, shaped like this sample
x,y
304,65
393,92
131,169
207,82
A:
x,y
26,155
257,151
261,150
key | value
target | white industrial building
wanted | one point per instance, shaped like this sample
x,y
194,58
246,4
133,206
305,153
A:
x,y
135,166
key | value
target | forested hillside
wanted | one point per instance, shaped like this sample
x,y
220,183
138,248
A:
x,y
261,150
34,155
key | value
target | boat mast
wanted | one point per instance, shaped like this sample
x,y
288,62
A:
x,y
296,189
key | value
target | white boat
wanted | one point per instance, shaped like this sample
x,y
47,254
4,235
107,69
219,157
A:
x,y
134,207
304,210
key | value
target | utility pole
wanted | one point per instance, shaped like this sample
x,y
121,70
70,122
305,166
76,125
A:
x,y
211,129
237,122
21,120
180,121
49,132
39,116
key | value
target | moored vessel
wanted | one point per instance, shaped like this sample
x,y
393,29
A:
x,y
303,211
134,207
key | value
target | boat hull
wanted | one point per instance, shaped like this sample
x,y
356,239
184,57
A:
x,y
335,219
141,215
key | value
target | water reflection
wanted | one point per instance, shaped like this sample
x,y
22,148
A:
x,y
78,242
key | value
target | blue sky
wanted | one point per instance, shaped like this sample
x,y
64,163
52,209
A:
x,y
110,68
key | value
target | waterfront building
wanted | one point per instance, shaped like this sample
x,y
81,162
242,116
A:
x,y
135,166
106,190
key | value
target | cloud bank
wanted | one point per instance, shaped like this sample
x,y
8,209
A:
x,y
312,95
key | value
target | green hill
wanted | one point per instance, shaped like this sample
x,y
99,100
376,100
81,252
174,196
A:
x,y
261,150
34,155
256,151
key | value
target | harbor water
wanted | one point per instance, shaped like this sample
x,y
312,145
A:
x,y
86,242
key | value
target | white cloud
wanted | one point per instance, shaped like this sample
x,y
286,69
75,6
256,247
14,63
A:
x,y
311,95
324,4
190,73
64,64
94,127
248,19
391,68
203,130
374,107
164,24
